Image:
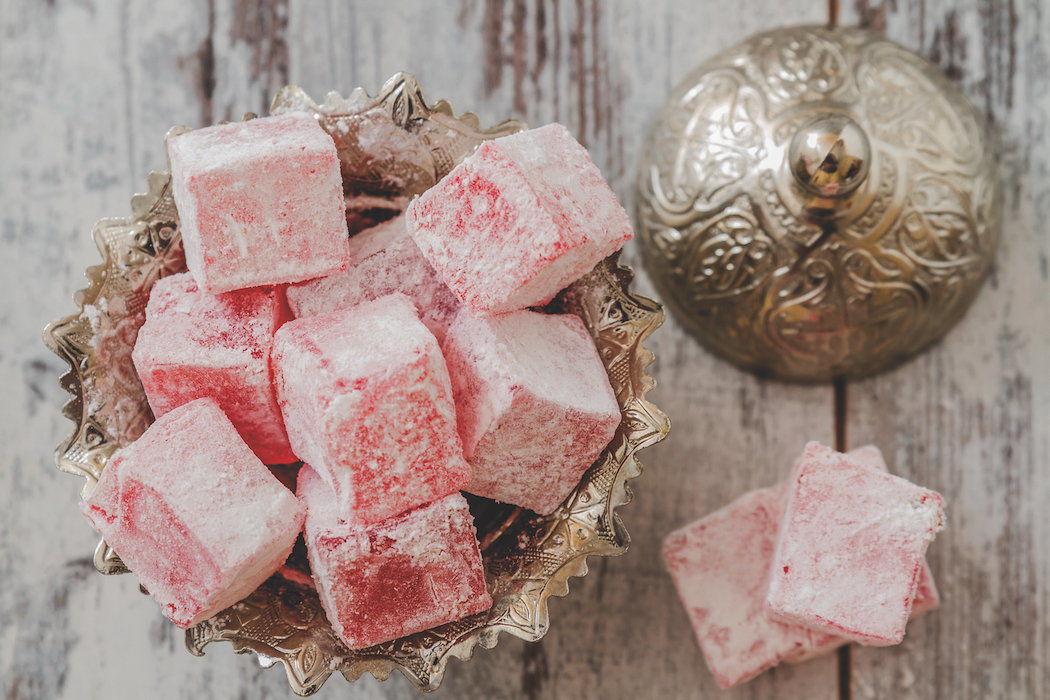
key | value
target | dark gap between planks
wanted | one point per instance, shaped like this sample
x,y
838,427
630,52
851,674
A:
x,y
841,445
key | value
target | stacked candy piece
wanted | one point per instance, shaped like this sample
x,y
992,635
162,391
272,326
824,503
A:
x,y
834,555
399,366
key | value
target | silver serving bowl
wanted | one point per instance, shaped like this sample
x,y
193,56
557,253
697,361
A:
x,y
527,557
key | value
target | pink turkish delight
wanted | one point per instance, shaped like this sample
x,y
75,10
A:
x,y
194,344
721,567
927,597
406,574
194,513
534,402
367,403
851,548
519,220
383,260
260,202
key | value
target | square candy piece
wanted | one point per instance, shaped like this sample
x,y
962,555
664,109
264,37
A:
x,y
403,575
194,513
367,402
534,402
260,202
927,597
194,344
720,566
383,260
851,548
523,217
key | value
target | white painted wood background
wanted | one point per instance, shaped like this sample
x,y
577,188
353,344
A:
x,y
89,87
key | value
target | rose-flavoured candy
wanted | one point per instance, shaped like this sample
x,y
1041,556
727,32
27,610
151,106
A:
x,y
194,344
534,402
194,513
367,403
851,548
721,567
260,202
389,579
383,260
927,597
519,220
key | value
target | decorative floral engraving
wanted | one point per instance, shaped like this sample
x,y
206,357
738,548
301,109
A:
x,y
799,63
528,558
937,226
918,110
722,255
801,286
796,233
716,129
885,207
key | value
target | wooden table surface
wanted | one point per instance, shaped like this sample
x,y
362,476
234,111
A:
x,y
89,87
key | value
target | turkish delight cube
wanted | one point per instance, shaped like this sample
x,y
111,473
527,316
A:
x,y
927,597
383,260
851,548
393,578
534,402
720,566
519,220
260,202
367,403
194,344
194,513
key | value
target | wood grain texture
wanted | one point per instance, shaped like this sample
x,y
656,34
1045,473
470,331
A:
x,y
87,91
971,418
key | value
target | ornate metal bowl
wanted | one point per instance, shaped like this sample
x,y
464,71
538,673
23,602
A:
x,y
815,203
391,147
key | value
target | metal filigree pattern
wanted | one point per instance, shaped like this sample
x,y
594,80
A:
x,y
528,558
391,147
779,280
108,405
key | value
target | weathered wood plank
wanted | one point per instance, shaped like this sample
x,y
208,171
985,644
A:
x,y
971,418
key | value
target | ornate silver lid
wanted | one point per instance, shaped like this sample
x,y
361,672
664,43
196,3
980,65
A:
x,y
817,202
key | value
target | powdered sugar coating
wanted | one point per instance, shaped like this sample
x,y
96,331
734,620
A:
x,y
194,344
851,548
927,597
534,403
367,402
194,513
519,220
720,565
403,575
260,202
383,260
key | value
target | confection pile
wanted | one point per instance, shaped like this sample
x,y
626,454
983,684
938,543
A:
x,y
835,554
399,366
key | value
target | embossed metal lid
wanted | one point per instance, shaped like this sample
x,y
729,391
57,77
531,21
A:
x,y
817,202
